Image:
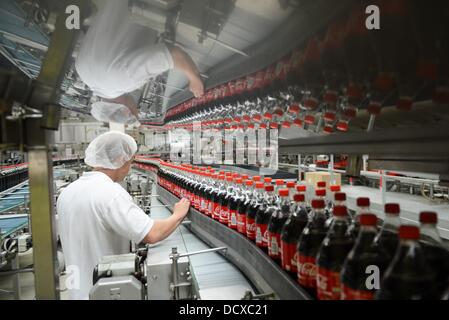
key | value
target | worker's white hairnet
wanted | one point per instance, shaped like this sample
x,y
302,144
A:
x,y
113,112
110,150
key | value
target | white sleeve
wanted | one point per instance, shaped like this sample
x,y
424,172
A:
x,y
148,61
125,218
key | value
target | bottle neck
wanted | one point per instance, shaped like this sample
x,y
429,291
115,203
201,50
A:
x,y
361,210
391,222
318,214
429,233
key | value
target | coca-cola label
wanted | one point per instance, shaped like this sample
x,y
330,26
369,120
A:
x,y
307,271
241,223
251,228
274,241
328,284
288,256
217,210
352,294
224,214
262,235
232,223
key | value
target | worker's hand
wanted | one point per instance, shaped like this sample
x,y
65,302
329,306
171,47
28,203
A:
x,y
181,208
196,86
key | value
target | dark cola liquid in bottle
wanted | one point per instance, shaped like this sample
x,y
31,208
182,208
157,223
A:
x,y
436,252
409,276
364,266
234,202
363,205
332,254
290,234
251,213
308,245
388,238
243,206
276,224
208,194
264,213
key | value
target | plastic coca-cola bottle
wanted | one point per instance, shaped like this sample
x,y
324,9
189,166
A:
x,y
363,261
224,201
276,224
409,276
291,186
363,205
217,195
308,245
321,194
209,191
291,231
339,200
234,202
264,213
248,193
388,238
332,254
252,210
436,252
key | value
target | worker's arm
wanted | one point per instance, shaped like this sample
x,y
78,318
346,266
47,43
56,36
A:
x,y
163,228
183,62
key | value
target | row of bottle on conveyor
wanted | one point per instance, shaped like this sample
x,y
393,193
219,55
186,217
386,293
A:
x,y
333,255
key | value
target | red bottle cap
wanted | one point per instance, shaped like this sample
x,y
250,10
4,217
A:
x,y
280,182
392,208
320,192
428,217
269,188
249,182
340,211
318,204
273,125
283,192
267,180
363,202
368,219
335,188
229,179
299,197
238,180
260,185
321,184
291,184
244,176
340,196
409,232
221,177
256,178
301,188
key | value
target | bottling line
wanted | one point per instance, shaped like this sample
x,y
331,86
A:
x,y
322,124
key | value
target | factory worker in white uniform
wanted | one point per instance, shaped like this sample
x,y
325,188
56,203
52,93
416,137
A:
x,y
117,56
97,217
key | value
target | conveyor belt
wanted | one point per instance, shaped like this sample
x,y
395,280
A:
x,y
216,277
14,197
258,267
12,223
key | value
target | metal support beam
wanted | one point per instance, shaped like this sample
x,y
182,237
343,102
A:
x,y
44,97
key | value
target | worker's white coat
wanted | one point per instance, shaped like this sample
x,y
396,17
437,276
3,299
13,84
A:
x,y
118,56
96,218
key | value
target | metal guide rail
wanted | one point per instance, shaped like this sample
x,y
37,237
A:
x,y
260,269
